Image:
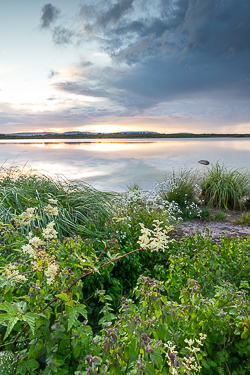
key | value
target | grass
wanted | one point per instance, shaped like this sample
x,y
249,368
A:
x,y
180,186
225,188
82,209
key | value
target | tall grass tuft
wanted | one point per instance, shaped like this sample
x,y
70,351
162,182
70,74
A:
x,y
225,188
180,186
82,209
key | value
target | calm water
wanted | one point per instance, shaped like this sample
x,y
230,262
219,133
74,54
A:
x,y
112,164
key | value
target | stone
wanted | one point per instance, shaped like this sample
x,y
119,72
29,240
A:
x,y
204,162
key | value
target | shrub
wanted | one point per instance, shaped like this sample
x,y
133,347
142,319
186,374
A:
x,y
43,304
209,263
219,216
225,188
182,188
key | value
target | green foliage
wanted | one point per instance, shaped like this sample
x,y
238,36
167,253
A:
x,y
244,220
205,214
82,209
182,188
219,216
56,318
225,188
209,263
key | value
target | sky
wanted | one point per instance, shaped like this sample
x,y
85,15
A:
x,y
125,65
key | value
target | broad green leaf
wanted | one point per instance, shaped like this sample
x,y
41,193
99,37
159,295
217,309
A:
x,y
10,326
5,317
72,318
63,296
149,369
82,310
244,334
8,296
31,320
6,306
31,363
77,350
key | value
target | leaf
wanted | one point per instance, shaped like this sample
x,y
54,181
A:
x,y
81,310
6,306
4,318
149,369
8,296
77,350
63,296
31,363
244,334
72,318
31,320
10,327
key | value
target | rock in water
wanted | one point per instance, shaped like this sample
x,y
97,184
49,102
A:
x,y
205,162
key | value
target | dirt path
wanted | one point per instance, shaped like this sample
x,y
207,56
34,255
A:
x,y
216,229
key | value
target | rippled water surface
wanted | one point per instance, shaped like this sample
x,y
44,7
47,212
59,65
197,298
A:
x,y
112,164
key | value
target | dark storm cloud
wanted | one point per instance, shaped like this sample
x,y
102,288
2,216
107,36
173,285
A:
x,y
62,35
49,15
215,27
173,50
81,89
115,12
104,15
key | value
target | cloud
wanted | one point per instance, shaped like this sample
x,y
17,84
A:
x,y
49,15
52,73
115,12
62,35
164,56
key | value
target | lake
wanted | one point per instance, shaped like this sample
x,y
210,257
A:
x,y
111,164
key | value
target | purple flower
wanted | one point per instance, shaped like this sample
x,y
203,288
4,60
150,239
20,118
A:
x,y
145,338
171,357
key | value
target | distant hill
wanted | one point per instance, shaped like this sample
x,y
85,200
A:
x,y
118,135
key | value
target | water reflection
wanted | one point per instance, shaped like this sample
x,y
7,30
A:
x,y
110,165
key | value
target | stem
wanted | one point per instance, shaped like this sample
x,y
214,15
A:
x,y
24,328
108,242
189,359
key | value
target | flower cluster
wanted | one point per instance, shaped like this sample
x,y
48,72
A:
x,y
154,240
7,359
53,201
35,241
12,272
49,232
189,363
26,217
51,272
151,201
29,249
51,210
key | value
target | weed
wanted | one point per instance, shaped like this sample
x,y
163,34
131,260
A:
x,y
225,188
245,219
219,216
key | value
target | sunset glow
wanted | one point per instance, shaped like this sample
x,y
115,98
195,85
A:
x,y
86,66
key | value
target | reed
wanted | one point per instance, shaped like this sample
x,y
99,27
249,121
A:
x,y
225,188
82,209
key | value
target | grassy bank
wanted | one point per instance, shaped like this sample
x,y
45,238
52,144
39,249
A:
x,y
93,283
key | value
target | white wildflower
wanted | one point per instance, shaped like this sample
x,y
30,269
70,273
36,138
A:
x,y
53,201
154,240
51,210
49,232
35,241
27,216
51,273
28,249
